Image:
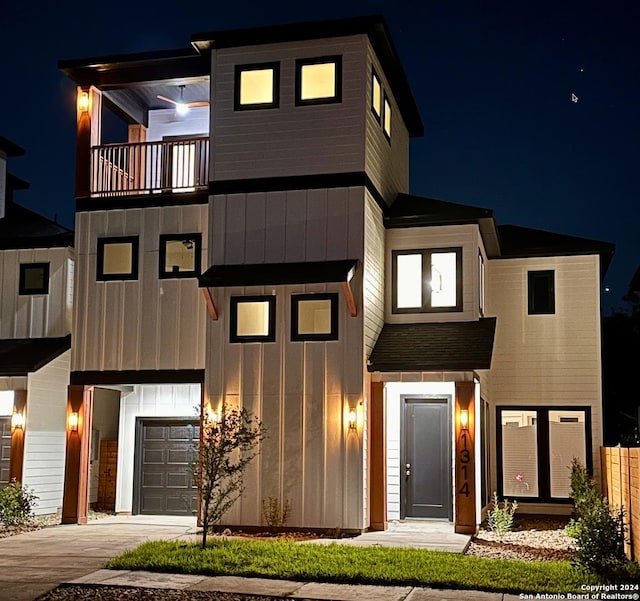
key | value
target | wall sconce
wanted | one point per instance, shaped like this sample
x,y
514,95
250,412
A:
x,y
73,421
464,419
212,415
83,101
353,419
17,421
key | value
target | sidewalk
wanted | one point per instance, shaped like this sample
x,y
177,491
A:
x,y
282,588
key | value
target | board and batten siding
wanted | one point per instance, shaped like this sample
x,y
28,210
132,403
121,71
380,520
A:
x,y
466,237
545,360
289,140
45,433
386,162
374,273
301,391
146,400
278,227
35,315
146,323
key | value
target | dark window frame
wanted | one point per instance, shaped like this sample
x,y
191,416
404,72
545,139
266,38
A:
x,y
542,442
135,251
239,69
378,117
22,287
234,301
426,278
386,101
336,59
481,284
296,299
549,308
163,274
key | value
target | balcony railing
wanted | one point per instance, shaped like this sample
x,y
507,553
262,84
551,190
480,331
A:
x,y
150,167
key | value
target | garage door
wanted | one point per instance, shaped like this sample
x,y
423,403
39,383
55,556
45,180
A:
x,y
165,452
5,449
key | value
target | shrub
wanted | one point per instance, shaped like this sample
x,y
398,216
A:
x,y
17,503
275,514
584,490
500,518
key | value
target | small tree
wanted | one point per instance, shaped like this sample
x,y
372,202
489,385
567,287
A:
x,y
227,445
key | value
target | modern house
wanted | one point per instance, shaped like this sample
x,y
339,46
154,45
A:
x,y
36,295
252,240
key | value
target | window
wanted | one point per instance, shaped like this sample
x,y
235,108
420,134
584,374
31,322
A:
x,y
427,280
34,278
257,86
319,80
252,319
386,118
541,292
376,95
480,283
117,258
180,255
314,317
536,448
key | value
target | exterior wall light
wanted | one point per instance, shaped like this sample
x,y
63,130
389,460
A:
x,y
83,101
464,419
353,419
73,421
212,415
17,421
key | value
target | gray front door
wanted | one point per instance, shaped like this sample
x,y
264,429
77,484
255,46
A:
x,y
426,462
165,451
5,449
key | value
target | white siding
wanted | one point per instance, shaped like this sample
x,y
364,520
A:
x,y
34,315
147,401
147,323
386,163
463,236
289,140
547,359
45,438
373,286
166,122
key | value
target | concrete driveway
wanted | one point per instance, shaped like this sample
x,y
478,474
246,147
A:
x,y
35,562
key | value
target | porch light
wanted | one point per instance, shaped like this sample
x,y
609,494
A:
x,y
464,419
353,420
17,420
83,101
212,415
73,421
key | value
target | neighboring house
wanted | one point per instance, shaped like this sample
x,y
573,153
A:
x,y
36,295
254,242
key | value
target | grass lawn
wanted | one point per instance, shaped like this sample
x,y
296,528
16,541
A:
x,y
347,564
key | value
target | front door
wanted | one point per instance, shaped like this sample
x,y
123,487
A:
x,y
426,463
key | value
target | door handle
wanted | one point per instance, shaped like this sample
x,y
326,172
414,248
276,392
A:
x,y
408,470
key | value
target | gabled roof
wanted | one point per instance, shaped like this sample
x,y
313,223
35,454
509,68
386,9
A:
x,y
267,274
449,346
521,242
21,356
10,148
415,211
23,228
374,26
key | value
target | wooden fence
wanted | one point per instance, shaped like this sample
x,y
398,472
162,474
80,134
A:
x,y
621,485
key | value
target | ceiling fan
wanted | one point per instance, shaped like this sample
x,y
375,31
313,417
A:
x,y
183,107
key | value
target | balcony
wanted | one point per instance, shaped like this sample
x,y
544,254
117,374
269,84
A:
x,y
168,166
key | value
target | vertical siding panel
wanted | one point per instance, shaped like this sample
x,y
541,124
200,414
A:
x,y
235,229
275,227
112,333
316,225
255,228
295,244
337,223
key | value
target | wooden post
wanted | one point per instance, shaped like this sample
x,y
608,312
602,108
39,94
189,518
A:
x,y
75,502
378,460
138,156
88,134
16,459
465,470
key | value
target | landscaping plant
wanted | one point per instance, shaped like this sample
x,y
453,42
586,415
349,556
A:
x,y
500,518
228,444
275,513
17,503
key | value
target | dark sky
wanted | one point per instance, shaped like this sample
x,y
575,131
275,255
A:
x,y
493,81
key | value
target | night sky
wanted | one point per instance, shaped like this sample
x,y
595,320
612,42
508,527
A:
x,y
493,82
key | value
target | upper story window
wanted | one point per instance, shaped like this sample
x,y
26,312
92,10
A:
x,y
252,319
319,80
314,317
541,292
427,280
386,118
376,95
34,278
257,86
180,255
117,258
